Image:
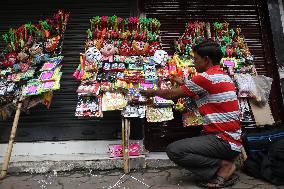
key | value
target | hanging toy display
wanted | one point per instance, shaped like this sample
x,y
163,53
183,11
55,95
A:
x,y
128,58
235,51
52,43
31,63
10,60
160,57
237,59
23,56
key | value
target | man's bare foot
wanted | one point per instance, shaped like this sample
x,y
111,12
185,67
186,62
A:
x,y
227,168
224,176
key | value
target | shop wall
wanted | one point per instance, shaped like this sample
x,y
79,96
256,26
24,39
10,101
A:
x,y
59,122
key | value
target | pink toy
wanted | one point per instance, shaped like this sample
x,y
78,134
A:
x,y
116,150
48,66
76,74
32,89
147,85
48,85
229,63
46,75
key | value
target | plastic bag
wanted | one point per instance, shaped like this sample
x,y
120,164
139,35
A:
x,y
246,85
263,87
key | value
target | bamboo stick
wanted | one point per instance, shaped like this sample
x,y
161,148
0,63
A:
x,y
128,135
127,143
123,141
126,146
11,141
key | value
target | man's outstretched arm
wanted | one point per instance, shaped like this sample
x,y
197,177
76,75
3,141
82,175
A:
x,y
169,94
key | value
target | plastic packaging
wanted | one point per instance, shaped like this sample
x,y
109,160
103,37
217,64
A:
x,y
263,87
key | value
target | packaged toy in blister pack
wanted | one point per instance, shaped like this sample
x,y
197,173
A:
x,y
159,114
116,150
246,115
160,58
50,85
89,107
120,85
113,101
7,87
134,76
133,94
33,87
191,118
106,87
150,74
134,66
165,84
9,91
134,111
161,102
89,87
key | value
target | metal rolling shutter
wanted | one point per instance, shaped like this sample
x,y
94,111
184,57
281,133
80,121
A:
x,y
174,14
59,122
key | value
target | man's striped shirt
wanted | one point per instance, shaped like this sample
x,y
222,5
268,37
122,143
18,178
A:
x,y
218,104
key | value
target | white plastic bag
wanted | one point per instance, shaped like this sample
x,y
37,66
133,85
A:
x,y
246,85
263,87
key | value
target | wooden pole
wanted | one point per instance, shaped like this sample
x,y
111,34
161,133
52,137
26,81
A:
x,y
125,140
11,141
128,141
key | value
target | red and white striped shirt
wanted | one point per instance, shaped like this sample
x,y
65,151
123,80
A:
x,y
218,104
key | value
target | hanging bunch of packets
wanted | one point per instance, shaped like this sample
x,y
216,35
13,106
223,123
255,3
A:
x,y
48,78
30,62
183,67
237,61
235,51
122,57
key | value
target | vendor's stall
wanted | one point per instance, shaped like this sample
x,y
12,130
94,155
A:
x,y
30,69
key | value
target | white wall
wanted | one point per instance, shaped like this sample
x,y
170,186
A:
x,y
58,149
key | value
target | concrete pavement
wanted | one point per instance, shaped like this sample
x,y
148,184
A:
x,y
154,178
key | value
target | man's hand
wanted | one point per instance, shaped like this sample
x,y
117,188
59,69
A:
x,y
148,92
176,79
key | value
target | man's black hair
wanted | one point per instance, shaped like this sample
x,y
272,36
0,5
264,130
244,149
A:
x,y
209,48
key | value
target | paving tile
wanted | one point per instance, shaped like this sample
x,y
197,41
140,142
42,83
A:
x,y
171,178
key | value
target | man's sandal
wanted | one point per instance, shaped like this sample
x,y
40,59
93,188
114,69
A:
x,y
220,182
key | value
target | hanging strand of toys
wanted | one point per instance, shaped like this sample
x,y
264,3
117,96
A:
x,y
238,61
30,69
